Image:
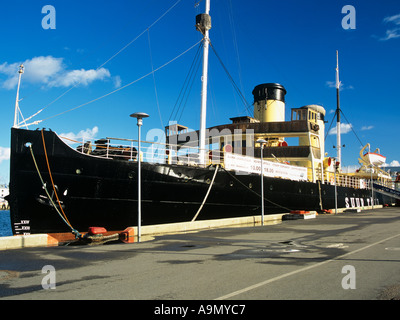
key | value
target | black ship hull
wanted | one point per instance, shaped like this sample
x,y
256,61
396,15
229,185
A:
x,y
95,191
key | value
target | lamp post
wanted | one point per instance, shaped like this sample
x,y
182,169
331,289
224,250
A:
x,y
139,116
335,181
262,142
372,188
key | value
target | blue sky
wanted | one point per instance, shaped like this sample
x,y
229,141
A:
x,y
290,42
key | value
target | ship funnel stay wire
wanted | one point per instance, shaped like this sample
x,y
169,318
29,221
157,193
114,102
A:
x,y
239,92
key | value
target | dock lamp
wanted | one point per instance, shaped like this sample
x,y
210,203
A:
x,y
335,181
262,142
139,116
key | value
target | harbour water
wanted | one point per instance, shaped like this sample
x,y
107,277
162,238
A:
x,y
5,223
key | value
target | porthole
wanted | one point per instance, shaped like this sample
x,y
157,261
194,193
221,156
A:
x,y
131,174
28,144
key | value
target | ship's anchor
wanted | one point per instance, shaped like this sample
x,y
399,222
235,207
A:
x,y
50,198
48,201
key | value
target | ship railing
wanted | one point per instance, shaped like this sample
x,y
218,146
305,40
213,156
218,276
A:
x,y
159,152
152,152
384,183
345,180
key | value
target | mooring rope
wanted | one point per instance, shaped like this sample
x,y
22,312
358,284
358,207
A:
x,y
320,196
51,178
75,232
208,192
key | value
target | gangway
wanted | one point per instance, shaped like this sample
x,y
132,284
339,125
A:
x,y
386,191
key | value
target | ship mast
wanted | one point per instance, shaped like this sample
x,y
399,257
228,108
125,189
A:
x,y
338,138
20,71
203,24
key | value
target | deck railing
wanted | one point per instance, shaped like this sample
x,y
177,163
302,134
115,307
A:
x,y
152,152
158,152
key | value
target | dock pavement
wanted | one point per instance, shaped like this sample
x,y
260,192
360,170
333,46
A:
x,y
345,256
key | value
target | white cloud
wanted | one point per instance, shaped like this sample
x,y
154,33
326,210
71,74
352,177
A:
x,y
4,154
391,34
395,19
49,72
82,76
88,134
353,168
117,82
344,128
394,163
364,128
350,168
332,84
394,31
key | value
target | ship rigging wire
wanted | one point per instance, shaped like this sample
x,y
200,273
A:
x,y
351,127
180,109
181,101
102,65
186,87
125,86
235,86
154,78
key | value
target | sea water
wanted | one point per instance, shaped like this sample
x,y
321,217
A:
x,y
5,223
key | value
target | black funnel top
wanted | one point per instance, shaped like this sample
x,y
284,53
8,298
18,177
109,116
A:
x,y
269,91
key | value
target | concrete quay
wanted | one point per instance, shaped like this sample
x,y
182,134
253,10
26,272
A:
x,y
148,232
347,256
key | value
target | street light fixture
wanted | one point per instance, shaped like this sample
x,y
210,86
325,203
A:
x,y
335,181
139,116
262,142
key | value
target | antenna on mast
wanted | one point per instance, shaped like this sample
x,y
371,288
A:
x,y
338,138
203,24
20,71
